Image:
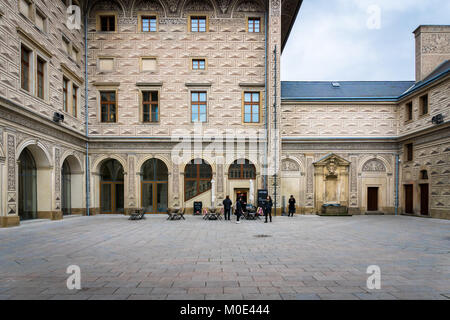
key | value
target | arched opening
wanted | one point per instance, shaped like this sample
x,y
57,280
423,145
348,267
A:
x,y
197,178
111,187
66,189
27,186
154,186
242,169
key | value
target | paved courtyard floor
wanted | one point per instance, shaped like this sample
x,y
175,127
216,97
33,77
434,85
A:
x,y
305,257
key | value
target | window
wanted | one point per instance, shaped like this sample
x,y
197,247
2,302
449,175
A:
x,y
108,106
108,23
409,111
25,68
251,107
148,64
197,178
424,105
106,64
65,97
242,169
198,106
40,78
254,25
150,106
149,24
424,174
66,44
198,24
198,64
40,21
25,8
74,100
409,152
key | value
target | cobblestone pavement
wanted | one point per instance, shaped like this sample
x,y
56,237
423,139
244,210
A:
x,y
305,257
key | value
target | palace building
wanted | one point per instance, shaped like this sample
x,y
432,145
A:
x,y
92,111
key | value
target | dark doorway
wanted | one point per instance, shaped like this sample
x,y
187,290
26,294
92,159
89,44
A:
x,y
409,198
154,186
372,199
66,190
111,187
242,193
424,199
27,186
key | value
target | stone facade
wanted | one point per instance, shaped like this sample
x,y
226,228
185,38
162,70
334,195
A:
x,y
364,137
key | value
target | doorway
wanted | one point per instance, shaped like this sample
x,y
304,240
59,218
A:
x,y
424,199
27,186
154,186
409,198
241,193
111,187
372,199
66,190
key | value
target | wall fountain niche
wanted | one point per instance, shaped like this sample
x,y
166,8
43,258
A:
x,y
331,184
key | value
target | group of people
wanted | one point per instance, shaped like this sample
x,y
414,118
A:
x,y
266,208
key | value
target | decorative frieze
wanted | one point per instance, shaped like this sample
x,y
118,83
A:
x,y
11,162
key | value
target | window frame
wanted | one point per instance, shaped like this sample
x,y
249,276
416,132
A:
x,y
40,77
142,16
150,103
141,63
44,18
198,59
28,65
102,14
66,94
198,16
248,24
75,90
252,104
423,98
30,9
241,173
409,152
198,104
109,103
409,111
99,69
197,178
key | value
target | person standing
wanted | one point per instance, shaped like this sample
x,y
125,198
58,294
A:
x,y
268,208
227,203
291,206
238,210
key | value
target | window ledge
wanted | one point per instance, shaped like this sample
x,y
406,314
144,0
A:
x,y
250,85
106,84
198,84
149,84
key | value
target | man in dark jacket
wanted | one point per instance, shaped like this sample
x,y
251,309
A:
x,y
268,208
238,209
291,206
227,203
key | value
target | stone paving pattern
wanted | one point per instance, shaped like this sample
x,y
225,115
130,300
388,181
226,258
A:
x,y
305,257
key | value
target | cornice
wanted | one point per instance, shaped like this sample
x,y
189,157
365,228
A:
x,y
72,74
22,33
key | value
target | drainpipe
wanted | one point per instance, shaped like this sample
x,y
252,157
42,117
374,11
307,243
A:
x,y
266,113
86,107
397,169
275,183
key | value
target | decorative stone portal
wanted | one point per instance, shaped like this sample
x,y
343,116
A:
x,y
331,185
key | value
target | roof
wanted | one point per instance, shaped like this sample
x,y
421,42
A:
x,y
326,90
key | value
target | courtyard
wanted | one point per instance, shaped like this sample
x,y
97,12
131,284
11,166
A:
x,y
304,257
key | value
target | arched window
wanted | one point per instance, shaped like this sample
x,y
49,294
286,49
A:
x,y
242,169
197,178
154,186
66,191
111,187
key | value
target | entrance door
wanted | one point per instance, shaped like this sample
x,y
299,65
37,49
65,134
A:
x,y
66,189
111,187
372,199
27,186
242,194
154,186
424,199
409,198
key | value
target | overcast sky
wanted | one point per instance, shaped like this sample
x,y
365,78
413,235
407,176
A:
x,y
345,40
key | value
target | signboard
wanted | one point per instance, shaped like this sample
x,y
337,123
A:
x,y
262,196
198,205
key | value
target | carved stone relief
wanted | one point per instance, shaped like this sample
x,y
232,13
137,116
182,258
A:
x,y
374,165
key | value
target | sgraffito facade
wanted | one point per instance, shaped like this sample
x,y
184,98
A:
x,y
205,73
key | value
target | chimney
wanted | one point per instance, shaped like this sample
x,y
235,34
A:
x,y
432,48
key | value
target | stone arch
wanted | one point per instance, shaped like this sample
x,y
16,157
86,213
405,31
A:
x,y
39,151
207,159
76,165
251,159
146,5
107,5
365,160
97,164
166,161
245,159
198,6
